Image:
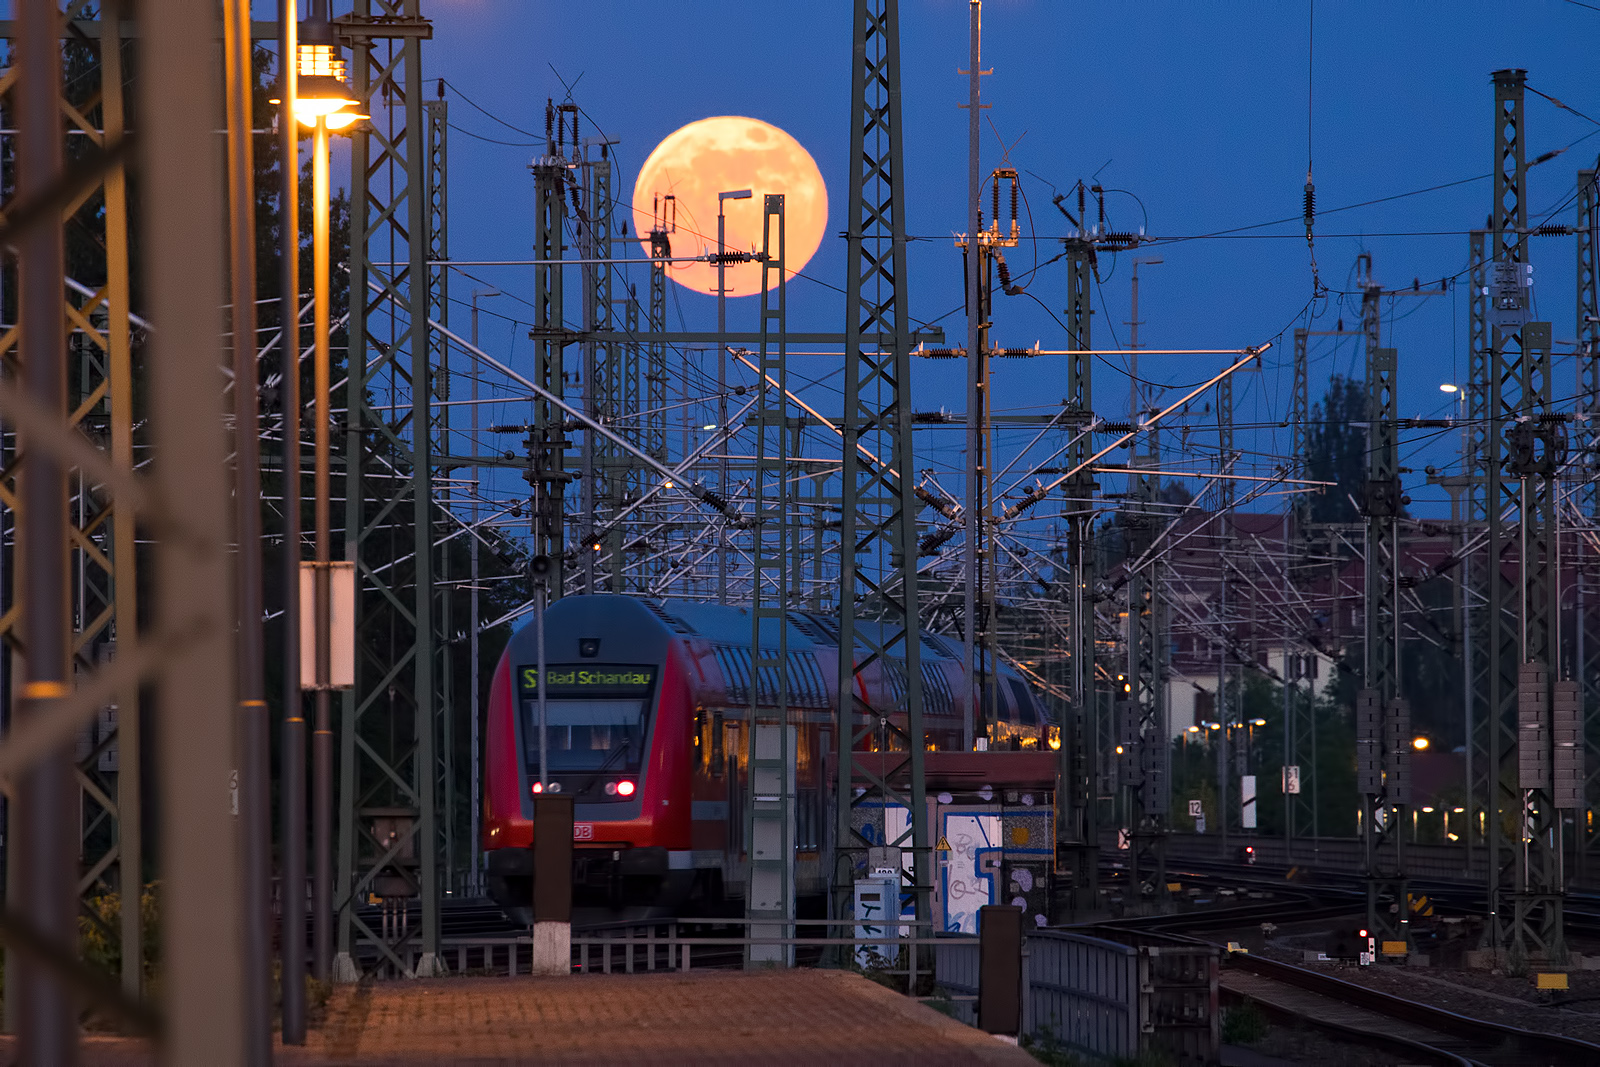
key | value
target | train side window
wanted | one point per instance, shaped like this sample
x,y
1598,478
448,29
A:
x,y
700,739
717,759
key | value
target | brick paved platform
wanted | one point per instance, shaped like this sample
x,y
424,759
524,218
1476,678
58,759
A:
x,y
641,1020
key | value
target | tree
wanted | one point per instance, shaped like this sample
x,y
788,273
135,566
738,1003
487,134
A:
x,y
1336,450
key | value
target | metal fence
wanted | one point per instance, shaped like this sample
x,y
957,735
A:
x,y
1105,993
628,948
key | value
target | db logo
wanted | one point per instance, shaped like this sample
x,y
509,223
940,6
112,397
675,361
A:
x,y
583,831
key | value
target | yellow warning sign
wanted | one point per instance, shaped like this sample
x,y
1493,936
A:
x,y
1552,981
1394,948
943,845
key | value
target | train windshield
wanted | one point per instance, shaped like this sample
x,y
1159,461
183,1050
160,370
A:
x,y
596,717
588,735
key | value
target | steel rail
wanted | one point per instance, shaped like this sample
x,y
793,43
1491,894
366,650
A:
x,y
1463,1038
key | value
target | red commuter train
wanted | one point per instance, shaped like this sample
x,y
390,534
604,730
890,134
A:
x,y
645,709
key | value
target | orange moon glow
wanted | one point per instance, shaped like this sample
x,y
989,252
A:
x,y
724,154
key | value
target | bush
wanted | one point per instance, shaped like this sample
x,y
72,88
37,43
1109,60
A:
x,y
1243,1024
100,932
1044,1047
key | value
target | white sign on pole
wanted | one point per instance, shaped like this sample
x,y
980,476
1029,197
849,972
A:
x,y
1196,809
1247,801
1291,779
341,625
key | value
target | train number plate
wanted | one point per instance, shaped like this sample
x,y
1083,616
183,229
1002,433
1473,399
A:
x,y
583,831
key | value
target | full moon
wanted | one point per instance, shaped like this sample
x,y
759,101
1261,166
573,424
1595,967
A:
x,y
725,154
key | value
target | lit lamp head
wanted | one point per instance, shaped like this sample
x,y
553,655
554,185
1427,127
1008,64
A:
x,y
320,91
323,97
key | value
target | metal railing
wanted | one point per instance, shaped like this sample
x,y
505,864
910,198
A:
x,y
1100,996
629,948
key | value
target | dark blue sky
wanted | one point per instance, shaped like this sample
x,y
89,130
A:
x,y
1198,109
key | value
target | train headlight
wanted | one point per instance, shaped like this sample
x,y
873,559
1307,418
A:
x,y
611,789
538,787
625,789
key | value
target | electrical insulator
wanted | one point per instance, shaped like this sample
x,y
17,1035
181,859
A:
x,y
549,120
1311,204
995,191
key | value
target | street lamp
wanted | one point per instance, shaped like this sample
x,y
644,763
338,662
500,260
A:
x,y
321,101
1133,344
475,884
722,378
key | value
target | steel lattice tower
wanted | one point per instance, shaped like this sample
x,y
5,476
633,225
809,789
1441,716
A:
x,y
1300,708
546,443
1383,726
1586,638
769,742
388,831
878,621
102,601
1077,860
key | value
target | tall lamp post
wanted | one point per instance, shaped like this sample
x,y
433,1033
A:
x,y
722,381
292,937
323,103
475,882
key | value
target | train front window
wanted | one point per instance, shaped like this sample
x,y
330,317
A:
x,y
596,716
588,735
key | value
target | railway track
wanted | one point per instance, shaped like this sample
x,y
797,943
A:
x,y
1419,1032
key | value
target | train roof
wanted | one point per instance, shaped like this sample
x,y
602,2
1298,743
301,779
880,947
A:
x,y
613,617
730,624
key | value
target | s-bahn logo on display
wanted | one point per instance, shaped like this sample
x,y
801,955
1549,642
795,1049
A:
x,y
589,679
583,831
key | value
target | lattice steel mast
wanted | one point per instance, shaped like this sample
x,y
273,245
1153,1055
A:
x,y
1383,719
546,443
99,544
1077,860
878,532
388,839
769,742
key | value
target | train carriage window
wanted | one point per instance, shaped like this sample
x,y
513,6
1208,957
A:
x,y
718,743
1028,719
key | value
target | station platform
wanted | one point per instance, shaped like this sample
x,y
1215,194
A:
x,y
725,1017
